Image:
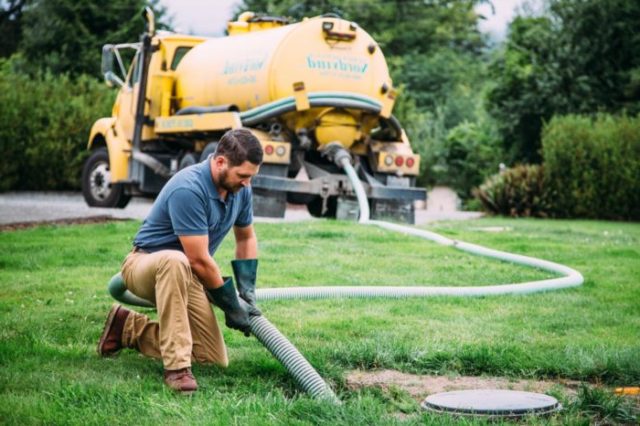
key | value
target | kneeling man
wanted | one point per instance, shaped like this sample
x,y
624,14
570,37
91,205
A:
x,y
171,264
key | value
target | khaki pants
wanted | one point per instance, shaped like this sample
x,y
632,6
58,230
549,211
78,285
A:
x,y
186,329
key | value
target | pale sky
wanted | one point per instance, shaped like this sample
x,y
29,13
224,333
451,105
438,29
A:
x,y
504,11
209,17
200,17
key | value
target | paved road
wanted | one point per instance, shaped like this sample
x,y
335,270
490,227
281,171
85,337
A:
x,y
21,207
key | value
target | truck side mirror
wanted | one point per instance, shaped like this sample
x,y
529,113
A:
x,y
108,58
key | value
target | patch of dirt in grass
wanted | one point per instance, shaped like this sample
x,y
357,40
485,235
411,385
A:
x,y
420,386
72,221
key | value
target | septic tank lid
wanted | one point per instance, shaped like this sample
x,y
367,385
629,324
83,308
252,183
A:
x,y
491,402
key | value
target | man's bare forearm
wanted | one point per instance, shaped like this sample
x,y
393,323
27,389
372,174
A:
x,y
247,248
208,271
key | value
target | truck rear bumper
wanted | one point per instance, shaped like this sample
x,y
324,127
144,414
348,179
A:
x,y
333,185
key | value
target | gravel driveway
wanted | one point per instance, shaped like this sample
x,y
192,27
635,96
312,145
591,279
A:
x,y
27,207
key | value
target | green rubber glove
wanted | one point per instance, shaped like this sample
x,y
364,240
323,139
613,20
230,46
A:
x,y
246,271
236,316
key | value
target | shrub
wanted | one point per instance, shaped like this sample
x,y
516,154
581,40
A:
x,y
518,191
592,166
44,127
464,158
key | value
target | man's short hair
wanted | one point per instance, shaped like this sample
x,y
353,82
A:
x,y
238,146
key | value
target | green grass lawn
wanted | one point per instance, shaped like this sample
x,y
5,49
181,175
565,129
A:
x,y
53,303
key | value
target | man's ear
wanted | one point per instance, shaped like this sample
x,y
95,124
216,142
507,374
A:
x,y
220,161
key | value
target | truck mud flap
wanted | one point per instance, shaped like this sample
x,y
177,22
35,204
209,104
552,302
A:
x,y
269,202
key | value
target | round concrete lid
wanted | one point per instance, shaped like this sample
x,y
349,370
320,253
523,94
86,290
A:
x,y
491,402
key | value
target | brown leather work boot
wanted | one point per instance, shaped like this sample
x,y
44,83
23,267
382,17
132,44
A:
x,y
111,340
181,380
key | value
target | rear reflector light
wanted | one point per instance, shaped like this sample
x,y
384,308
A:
x,y
410,162
399,161
268,149
388,160
280,151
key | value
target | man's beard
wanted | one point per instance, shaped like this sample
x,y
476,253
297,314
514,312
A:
x,y
224,182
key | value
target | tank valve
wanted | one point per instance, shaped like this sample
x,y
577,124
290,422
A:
x,y
335,152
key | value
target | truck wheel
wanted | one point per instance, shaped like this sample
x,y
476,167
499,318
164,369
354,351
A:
x,y
315,207
97,189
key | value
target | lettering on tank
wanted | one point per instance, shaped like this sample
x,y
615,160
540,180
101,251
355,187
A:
x,y
341,66
175,123
243,70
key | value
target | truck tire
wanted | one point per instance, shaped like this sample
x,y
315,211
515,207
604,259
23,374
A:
x,y
97,189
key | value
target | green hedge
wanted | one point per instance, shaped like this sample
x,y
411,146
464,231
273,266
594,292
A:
x,y
591,170
592,166
516,192
44,128
461,157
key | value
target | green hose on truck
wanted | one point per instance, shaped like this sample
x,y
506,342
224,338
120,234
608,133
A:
x,y
303,373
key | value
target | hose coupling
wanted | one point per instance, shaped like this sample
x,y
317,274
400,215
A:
x,y
335,152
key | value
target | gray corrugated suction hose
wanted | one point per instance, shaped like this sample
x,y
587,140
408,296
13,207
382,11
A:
x,y
304,374
572,278
266,333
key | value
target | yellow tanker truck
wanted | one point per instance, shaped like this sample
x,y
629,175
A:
x,y
303,89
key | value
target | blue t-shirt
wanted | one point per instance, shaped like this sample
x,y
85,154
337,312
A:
x,y
189,204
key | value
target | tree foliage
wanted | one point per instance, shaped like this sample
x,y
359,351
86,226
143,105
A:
x,y
44,127
66,36
580,57
49,93
10,25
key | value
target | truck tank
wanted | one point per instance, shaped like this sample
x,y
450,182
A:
x,y
252,69
256,68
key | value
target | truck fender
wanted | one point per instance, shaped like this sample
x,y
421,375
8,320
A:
x,y
119,148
